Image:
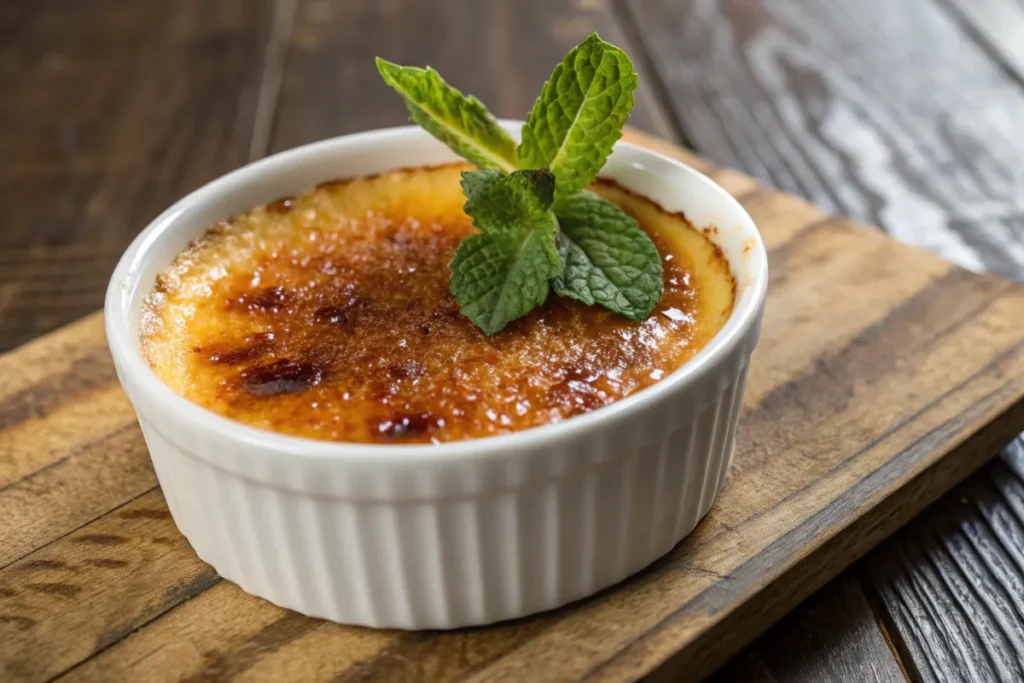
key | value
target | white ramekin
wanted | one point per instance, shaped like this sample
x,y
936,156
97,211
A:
x,y
464,533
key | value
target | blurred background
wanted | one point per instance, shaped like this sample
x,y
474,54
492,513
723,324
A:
x,y
906,114
903,113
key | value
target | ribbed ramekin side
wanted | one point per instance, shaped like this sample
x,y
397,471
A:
x,y
465,560
457,561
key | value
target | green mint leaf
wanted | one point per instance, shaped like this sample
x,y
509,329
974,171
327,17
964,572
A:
x,y
460,121
496,202
609,260
600,255
504,272
499,278
579,114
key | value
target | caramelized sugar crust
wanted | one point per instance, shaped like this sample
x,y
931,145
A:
x,y
329,316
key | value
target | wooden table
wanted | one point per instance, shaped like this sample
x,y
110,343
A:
x,y
905,113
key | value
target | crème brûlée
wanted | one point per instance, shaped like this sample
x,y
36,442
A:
x,y
329,316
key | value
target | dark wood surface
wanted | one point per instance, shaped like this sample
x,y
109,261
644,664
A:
x,y
110,111
331,40
906,114
832,638
951,580
884,111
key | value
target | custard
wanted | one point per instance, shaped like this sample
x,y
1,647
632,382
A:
x,y
329,316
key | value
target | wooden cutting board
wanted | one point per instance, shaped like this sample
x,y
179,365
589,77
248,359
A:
x,y
884,376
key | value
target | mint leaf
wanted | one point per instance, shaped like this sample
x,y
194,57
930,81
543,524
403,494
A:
x,y
504,272
600,255
496,202
499,278
461,122
579,114
609,260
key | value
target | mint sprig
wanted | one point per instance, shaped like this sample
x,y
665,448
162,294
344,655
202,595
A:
x,y
539,228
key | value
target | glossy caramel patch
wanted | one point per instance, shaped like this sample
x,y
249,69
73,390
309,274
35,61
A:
x,y
329,316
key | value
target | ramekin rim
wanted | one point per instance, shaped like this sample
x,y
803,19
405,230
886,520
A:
x,y
130,361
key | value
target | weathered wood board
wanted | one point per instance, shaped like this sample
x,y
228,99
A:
x,y
884,376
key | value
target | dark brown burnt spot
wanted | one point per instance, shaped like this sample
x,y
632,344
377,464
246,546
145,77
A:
x,y
406,370
342,314
7,593
330,315
160,286
253,347
270,299
574,394
400,425
283,376
219,228
449,310
282,205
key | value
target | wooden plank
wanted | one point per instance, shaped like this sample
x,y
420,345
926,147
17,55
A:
x,y
111,111
884,111
501,51
802,648
952,580
63,419
225,634
839,445
60,604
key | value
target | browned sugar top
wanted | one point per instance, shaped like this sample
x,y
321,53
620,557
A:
x,y
329,316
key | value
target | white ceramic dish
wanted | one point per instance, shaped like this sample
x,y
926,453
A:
x,y
464,533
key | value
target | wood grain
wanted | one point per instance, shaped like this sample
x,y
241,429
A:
x,y
841,441
60,604
502,52
830,638
952,580
110,111
81,145
884,111
63,418
1000,24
